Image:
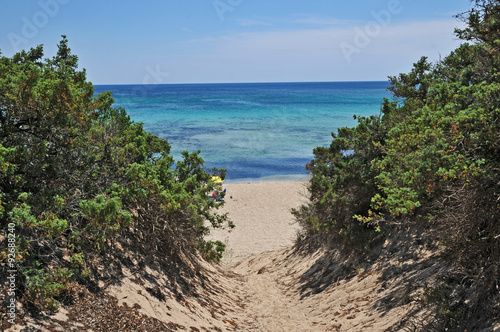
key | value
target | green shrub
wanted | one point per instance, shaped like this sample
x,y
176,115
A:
x,y
77,176
212,251
434,150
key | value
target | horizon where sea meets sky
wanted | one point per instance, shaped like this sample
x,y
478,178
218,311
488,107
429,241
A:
x,y
227,41
256,131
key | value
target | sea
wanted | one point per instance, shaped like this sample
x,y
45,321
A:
x,y
257,131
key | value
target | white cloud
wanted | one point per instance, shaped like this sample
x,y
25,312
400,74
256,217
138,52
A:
x,y
316,54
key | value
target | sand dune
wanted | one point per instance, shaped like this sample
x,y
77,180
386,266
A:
x,y
264,284
285,290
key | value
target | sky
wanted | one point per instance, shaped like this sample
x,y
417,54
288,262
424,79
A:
x,y
229,41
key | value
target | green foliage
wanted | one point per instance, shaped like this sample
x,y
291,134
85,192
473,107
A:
x,y
78,176
434,150
343,180
21,216
44,287
212,251
440,132
103,217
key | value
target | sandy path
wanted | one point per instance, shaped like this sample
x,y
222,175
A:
x,y
265,231
287,291
259,245
266,286
261,213
271,305
277,301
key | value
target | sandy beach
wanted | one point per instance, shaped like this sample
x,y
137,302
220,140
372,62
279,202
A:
x,y
261,212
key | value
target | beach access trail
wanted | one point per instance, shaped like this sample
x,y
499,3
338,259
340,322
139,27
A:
x,y
261,212
264,283
281,289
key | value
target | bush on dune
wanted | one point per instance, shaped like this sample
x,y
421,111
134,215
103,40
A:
x,y
432,155
77,176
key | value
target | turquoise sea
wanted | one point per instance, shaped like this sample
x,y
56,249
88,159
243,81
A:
x,y
258,131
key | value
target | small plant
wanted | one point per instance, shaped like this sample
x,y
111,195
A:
x,y
42,288
212,250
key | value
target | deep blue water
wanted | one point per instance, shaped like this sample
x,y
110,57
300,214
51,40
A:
x,y
255,130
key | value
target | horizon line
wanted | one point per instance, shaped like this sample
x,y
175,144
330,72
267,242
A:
x,y
215,83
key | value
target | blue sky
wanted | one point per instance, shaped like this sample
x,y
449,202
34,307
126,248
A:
x,y
215,41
